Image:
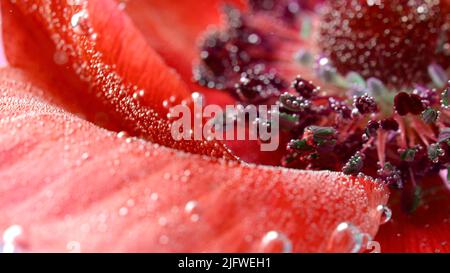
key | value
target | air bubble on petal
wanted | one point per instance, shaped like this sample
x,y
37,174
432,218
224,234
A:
x,y
191,209
78,22
85,156
386,213
154,196
324,61
123,211
346,238
122,134
275,242
9,239
73,247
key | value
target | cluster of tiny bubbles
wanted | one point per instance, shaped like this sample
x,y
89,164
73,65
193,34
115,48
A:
x,y
349,237
9,239
191,209
386,213
275,242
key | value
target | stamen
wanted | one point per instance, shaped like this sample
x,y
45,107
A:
x,y
353,125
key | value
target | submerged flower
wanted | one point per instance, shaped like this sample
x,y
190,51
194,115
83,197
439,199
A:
x,y
348,133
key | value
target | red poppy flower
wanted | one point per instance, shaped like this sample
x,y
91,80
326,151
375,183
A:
x,y
88,162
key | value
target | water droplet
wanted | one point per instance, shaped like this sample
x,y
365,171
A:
x,y
9,238
94,36
73,247
79,22
254,38
123,211
324,61
122,134
275,242
191,208
347,238
386,214
85,156
166,104
154,196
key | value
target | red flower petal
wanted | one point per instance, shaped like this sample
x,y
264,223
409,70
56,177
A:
x,y
106,64
173,27
71,185
425,230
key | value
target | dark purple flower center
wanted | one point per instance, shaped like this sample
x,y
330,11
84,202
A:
x,y
396,138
